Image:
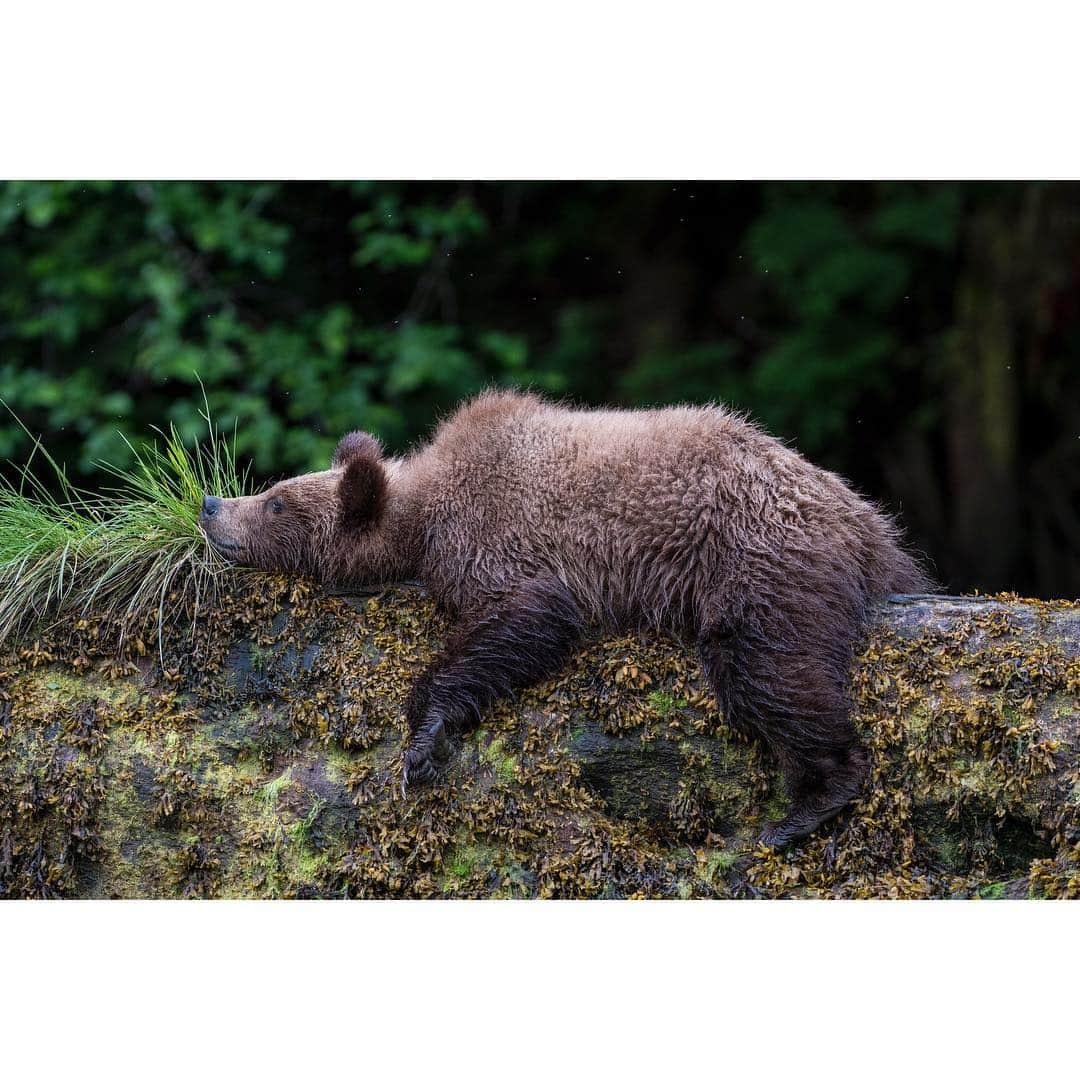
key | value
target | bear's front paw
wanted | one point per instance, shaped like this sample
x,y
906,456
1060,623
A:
x,y
418,768
425,757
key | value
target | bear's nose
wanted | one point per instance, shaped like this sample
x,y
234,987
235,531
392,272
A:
x,y
211,504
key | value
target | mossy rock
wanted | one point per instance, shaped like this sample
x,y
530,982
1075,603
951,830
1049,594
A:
x,y
257,754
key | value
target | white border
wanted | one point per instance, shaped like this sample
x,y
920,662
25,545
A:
x,y
538,989
772,89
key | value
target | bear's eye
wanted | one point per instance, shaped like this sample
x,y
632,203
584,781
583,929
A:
x,y
277,504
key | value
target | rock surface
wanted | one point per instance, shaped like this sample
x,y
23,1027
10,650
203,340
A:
x,y
257,753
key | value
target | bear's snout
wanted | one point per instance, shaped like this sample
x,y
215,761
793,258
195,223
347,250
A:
x,y
215,526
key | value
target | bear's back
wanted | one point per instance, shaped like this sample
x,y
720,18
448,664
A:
x,y
645,514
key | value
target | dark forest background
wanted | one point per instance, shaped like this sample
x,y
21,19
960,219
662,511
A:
x,y
921,339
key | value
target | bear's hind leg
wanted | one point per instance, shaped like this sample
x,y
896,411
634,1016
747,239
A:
x,y
790,690
818,793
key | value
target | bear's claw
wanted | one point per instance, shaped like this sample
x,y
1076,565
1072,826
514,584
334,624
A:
x,y
425,761
419,769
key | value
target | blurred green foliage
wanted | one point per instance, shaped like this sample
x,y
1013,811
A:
x,y
828,311
117,299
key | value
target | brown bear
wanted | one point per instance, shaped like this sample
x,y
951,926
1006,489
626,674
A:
x,y
534,521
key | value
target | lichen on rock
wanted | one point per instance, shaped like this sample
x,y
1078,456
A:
x,y
258,755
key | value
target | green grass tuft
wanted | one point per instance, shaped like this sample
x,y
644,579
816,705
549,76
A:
x,y
134,551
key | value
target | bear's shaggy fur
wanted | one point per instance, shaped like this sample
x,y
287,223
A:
x,y
533,521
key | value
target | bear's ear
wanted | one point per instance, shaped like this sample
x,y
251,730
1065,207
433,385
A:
x,y
362,489
355,444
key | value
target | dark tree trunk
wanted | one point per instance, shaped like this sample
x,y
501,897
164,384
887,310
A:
x,y
983,407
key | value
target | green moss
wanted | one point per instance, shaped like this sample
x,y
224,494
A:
x,y
467,862
719,863
491,751
260,658
494,754
271,791
661,702
301,831
65,687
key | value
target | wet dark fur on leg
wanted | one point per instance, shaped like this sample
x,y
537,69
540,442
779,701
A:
x,y
515,643
780,674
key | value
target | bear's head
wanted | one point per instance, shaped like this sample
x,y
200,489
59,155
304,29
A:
x,y
326,524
